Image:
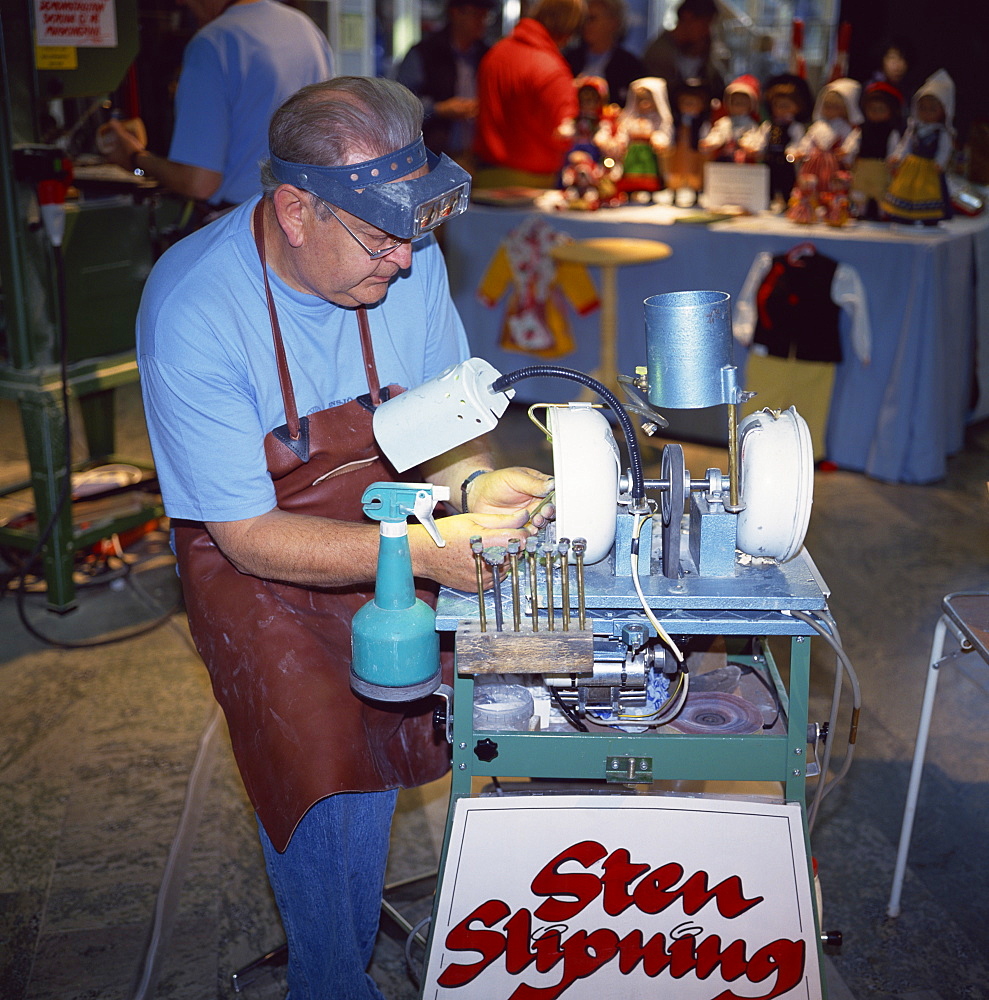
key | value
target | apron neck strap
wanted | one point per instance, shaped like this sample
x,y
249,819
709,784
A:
x,y
284,376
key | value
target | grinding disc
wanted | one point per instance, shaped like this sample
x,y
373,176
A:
x,y
719,714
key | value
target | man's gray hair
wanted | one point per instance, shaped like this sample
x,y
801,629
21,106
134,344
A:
x,y
344,120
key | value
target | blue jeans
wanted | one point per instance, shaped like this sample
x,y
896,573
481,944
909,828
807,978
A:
x,y
328,885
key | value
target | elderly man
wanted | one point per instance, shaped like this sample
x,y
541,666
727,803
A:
x,y
265,341
247,57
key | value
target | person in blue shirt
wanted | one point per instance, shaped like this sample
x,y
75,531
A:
x,y
265,342
246,58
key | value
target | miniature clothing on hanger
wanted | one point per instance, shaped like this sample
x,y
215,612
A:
x,y
805,275
535,317
788,313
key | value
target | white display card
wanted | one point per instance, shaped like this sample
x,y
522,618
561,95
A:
x,y
586,897
736,185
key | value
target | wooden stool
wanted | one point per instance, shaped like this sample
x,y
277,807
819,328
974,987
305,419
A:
x,y
610,253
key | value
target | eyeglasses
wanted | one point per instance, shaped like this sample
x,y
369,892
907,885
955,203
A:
x,y
373,254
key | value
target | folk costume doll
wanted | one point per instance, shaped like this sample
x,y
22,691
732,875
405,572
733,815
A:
x,y
831,142
918,191
593,111
643,133
692,123
734,138
881,133
787,100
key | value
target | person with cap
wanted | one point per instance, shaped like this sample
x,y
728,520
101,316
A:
x,y
600,52
441,70
265,341
525,93
246,58
686,51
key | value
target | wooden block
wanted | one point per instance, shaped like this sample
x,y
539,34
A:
x,y
524,652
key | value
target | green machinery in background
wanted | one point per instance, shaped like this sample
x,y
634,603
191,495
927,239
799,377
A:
x,y
107,252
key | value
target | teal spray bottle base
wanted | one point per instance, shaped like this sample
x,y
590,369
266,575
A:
x,y
394,643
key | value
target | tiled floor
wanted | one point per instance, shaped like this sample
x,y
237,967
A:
x,y
97,746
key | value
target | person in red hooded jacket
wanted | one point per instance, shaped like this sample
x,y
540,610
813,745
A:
x,y
525,92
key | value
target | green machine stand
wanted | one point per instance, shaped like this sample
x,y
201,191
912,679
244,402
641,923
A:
x,y
751,610
107,253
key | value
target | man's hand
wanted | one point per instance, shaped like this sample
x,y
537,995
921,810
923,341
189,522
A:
x,y
453,564
118,144
513,490
463,108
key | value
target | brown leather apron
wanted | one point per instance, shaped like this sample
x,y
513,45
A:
x,y
279,654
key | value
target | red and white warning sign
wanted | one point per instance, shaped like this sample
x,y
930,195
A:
x,y
84,23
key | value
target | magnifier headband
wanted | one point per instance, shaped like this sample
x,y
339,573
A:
x,y
371,191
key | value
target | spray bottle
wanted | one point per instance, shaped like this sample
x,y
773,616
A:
x,y
396,649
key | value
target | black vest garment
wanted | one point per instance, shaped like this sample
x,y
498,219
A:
x,y
796,316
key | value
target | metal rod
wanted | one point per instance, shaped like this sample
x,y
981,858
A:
x,y
579,548
733,502
549,552
477,547
514,545
563,547
531,550
495,557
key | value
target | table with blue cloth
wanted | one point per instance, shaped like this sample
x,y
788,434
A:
x,y
896,418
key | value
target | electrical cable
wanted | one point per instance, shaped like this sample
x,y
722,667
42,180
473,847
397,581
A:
x,y
658,718
409,942
653,620
843,665
764,681
570,716
504,382
177,862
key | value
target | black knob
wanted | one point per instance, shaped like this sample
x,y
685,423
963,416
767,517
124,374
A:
x,y
831,939
439,718
486,750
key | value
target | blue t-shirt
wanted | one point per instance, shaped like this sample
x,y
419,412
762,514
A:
x,y
236,71
207,360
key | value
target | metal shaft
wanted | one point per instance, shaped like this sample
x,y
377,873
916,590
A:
x,y
531,552
549,552
579,548
563,547
733,501
477,547
494,555
514,545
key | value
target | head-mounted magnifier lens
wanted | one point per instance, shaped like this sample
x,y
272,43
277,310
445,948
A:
x,y
374,191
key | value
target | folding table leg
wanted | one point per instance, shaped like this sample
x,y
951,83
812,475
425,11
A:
x,y
916,771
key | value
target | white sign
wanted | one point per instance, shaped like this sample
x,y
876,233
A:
x,y
586,897
736,185
85,23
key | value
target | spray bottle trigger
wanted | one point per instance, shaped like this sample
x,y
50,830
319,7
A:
x,y
422,510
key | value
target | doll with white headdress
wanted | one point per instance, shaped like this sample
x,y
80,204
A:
x,y
918,191
830,144
643,132
734,138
